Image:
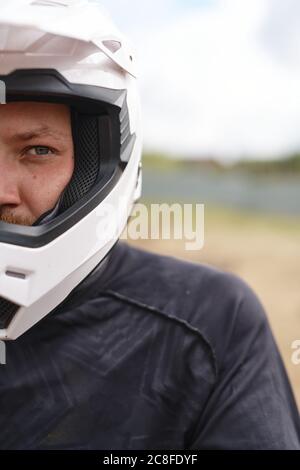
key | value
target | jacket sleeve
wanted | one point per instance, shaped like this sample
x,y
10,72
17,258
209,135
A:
x,y
251,405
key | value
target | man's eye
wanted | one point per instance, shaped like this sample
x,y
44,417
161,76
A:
x,y
39,150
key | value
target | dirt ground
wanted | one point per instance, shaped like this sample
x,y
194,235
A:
x,y
265,251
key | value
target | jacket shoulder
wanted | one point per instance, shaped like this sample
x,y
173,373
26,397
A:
x,y
215,302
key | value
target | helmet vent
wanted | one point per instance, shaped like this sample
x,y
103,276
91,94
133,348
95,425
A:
x,y
112,46
7,312
15,274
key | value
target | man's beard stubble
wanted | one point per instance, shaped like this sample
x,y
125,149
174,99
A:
x,y
10,218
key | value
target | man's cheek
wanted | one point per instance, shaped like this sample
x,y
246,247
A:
x,y
43,185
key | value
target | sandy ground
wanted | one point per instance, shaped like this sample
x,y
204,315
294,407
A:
x,y
265,252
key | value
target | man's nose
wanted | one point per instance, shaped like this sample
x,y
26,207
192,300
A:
x,y
9,183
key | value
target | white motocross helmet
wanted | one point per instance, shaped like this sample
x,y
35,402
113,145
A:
x,y
69,52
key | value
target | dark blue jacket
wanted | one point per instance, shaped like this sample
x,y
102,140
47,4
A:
x,y
149,353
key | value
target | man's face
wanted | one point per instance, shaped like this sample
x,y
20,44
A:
x,y
36,159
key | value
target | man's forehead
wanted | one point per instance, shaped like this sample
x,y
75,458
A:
x,y
25,121
32,132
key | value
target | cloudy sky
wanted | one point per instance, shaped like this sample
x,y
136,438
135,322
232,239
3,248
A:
x,y
217,77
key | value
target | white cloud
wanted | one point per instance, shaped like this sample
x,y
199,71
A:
x,y
281,32
219,80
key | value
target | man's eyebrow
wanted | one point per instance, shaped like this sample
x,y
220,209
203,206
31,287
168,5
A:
x,y
38,132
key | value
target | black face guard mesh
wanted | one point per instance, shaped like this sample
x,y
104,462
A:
x,y
86,138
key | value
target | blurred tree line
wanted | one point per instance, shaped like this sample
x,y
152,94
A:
x,y
284,166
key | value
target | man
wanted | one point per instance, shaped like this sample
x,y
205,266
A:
x,y
110,347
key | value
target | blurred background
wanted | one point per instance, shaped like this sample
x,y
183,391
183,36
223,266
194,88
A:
x,y
219,81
